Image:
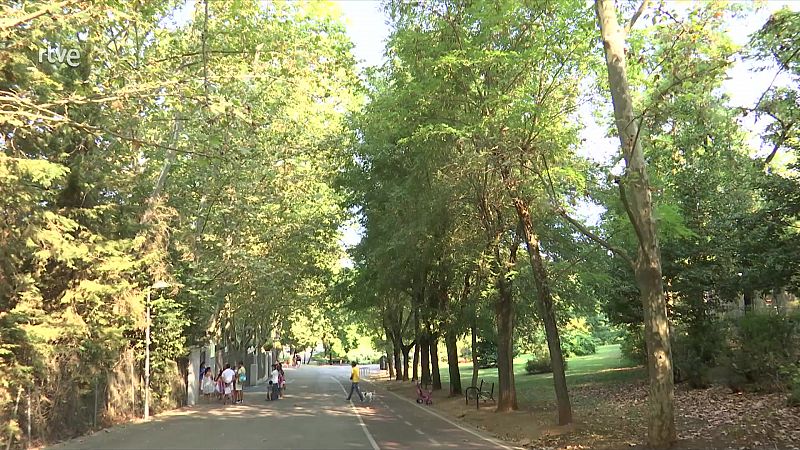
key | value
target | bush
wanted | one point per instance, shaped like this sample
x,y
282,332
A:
x,y
696,350
762,346
540,364
577,339
486,354
793,375
632,346
578,343
604,333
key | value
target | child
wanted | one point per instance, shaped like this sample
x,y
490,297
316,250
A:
x,y
281,380
208,385
220,386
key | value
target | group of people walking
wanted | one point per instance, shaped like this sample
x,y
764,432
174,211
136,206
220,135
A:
x,y
227,385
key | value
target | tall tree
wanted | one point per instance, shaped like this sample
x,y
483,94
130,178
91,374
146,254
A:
x,y
635,193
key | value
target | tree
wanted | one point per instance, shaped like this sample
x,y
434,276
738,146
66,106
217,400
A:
x,y
635,193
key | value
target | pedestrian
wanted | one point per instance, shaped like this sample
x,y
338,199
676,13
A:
x,y
273,383
241,377
208,384
297,359
220,386
228,375
281,380
354,382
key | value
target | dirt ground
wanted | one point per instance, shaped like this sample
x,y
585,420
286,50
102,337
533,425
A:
x,y
614,417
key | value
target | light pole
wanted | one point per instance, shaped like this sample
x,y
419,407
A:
x,y
156,285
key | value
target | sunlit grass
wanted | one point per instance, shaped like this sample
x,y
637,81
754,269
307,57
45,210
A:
x,y
607,366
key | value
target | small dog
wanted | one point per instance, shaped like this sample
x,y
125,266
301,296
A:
x,y
369,396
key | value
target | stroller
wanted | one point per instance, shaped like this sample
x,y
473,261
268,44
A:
x,y
424,396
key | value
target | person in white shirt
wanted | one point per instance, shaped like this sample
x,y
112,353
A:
x,y
273,383
227,378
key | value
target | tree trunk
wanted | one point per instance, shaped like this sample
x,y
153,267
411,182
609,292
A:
x,y
748,299
635,195
474,332
398,361
504,315
425,361
391,351
390,363
415,369
452,363
406,358
436,376
545,304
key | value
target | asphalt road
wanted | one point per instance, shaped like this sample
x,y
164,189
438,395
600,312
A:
x,y
312,415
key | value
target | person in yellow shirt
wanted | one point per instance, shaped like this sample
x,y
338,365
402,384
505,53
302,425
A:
x,y
354,382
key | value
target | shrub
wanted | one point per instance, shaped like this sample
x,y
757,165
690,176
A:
x,y
579,344
696,350
793,375
540,364
486,354
632,346
603,331
577,339
762,346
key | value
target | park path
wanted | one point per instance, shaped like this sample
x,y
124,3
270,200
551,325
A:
x,y
312,415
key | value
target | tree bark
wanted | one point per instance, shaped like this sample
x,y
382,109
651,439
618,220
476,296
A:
x,y
415,368
545,305
635,196
398,361
474,332
406,360
504,315
425,360
450,342
390,362
748,299
436,377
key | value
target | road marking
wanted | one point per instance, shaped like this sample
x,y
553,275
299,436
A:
x,y
433,441
360,420
420,432
409,423
494,442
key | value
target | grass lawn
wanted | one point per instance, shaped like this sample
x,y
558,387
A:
x,y
607,366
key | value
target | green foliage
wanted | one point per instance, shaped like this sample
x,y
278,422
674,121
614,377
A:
x,y
632,347
540,364
577,339
793,373
604,331
696,351
155,161
762,346
486,351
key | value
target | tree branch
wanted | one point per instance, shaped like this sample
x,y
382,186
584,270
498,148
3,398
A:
x,y
634,223
636,15
15,21
593,236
